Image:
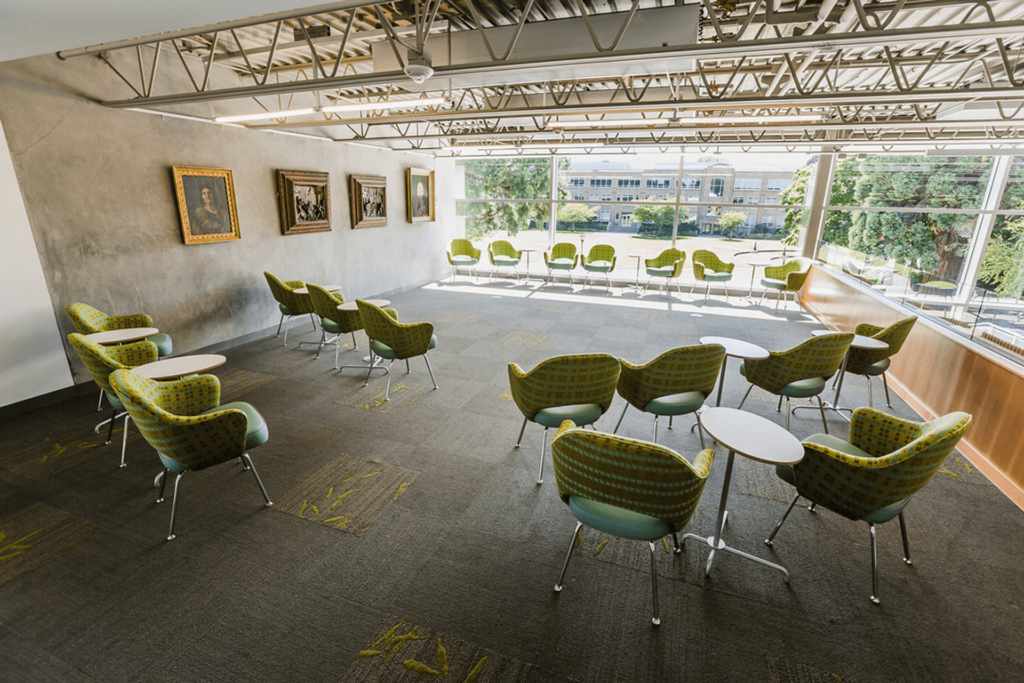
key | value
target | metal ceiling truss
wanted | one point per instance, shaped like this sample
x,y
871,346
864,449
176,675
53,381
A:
x,y
872,71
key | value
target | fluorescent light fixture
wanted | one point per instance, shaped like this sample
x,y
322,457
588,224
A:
x,y
389,104
682,122
264,115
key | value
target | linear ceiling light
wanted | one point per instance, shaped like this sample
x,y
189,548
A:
x,y
390,104
704,120
264,115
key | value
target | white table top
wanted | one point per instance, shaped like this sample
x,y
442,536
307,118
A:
x,y
752,436
173,368
129,334
352,306
305,290
636,255
859,341
737,348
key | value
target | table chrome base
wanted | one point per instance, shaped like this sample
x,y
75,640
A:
x,y
828,406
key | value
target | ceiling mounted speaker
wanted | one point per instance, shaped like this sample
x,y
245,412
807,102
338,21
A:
x,y
418,66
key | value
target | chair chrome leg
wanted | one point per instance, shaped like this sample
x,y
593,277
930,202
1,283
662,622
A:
x,y
874,566
700,432
110,430
619,423
675,540
241,461
745,397
252,468
871,393
771,536
670,421
427,361
655,439
789,411
99,403
654,585
174,505
906,543
886,385
387,387
337,349
821,407
565,565
407,368
521,431
161,481
285,342
354,345
373,360
778,408
543,448
124,439
777,300
813,508
279,323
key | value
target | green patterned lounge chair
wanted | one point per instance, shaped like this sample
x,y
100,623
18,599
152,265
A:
x,y
578,388
462,254
667,265
600,259
393,340
799,372
338,323
290,303
503,255
675,383
872,363
872,477
89,320
785,279
708,268
189,428
626,488
562,256
100,361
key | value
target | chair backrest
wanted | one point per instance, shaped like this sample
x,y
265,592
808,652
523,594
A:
x,y
463,247
563,381
88,320
601,252
704,259
665,258
687,368
405,339
503,248
168,416
101,360
325,305
630,474
894,336
907,454
794,273
561,250
817,357
298,304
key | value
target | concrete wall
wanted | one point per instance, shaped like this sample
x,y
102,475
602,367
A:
x,y
99,197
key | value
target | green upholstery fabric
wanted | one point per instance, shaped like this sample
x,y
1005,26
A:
x,y
875,362
256,431
562,256
502,253
88,320
184,421
564,381
668,263
462,253
818,357
290,302
637,476
618,522
100,360
325,305
668,380
676,404
888,460
788,277
707,266
385,351
403,340
600,259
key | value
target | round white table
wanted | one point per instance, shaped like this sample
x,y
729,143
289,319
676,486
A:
x,y
754,265
753,437
305,290
128,334
736,348
859,342
173,368
636,285
528,252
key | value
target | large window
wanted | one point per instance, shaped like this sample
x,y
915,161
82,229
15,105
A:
x,y
658,183
690,183
600,182
629,183
577,182
748,184
717,187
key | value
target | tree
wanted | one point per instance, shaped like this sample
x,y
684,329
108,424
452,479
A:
x,y
575,213
795,194
662,214
730,220
516,178
844,186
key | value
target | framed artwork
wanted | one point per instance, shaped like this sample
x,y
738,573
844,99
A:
x,y
419,194
206,204
369,199
305,201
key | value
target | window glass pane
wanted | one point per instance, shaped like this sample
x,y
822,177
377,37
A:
x,y
716,187
487,221
1013,197
519,178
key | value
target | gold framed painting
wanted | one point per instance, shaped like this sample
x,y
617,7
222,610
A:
x,y
419,194
304,198
206,204
369,201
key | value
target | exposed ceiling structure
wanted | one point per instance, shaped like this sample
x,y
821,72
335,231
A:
x,y
477,77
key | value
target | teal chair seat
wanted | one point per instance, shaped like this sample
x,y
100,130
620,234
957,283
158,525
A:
x,y
878,368
801,388
562,263
772,283
618,522
581,413
331,326
676,404
256,431
718,277
164,346
598,266
385,351
500,260
461,260
663,271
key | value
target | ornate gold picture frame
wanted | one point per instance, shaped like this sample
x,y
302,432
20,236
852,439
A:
x,y
304,198
419,194
369,200
206,204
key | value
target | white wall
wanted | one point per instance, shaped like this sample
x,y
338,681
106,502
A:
x,y
32,360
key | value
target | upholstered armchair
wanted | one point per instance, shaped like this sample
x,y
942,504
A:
x,y
708,268
290,303
462,254
873,362
503,255
785,279
667,265
393,340
89,320
600,259
562,256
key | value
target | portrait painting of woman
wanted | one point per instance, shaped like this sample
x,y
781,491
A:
x,y
206,204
